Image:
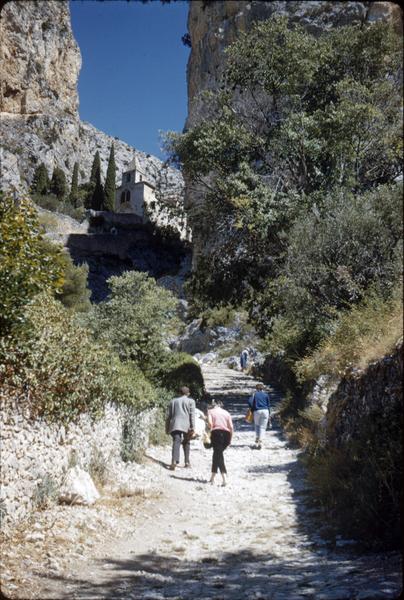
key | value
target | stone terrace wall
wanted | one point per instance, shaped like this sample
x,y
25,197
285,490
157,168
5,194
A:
x,y
366,396
34,452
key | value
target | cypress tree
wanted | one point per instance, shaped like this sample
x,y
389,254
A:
x,y
58,185
98,196
95,168
110,182
40,181
74,190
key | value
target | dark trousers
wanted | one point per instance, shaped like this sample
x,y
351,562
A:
x,y
220,440
179,437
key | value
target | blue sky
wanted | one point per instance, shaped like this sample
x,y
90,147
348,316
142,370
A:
x,y
133,78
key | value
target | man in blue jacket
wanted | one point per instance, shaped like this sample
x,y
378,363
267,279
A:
x,y
260,406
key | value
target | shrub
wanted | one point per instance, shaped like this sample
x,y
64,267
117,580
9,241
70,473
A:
x,y
74,293
97,467
55,362
365,333
26,268
45,493
52,203
178,369
135,319
220,315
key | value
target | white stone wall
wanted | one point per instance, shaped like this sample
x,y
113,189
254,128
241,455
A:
x,y
34,450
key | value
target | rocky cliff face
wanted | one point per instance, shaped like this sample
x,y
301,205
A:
x,y
214,25
39,101
41,60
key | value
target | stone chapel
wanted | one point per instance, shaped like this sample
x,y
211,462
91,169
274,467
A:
x,y
135,193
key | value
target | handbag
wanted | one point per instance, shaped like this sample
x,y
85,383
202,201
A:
x,y
249,416
206,440
250,413
189,435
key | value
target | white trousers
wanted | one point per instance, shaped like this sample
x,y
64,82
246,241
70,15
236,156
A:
x,y
261,418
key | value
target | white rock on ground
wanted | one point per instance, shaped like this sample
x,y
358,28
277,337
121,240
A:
x,y
78,488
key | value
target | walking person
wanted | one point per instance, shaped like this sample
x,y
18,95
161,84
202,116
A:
x,y
260,406
180,424
221,428
244,359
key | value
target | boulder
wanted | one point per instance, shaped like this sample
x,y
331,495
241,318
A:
x,y
78,488
194,339
209,358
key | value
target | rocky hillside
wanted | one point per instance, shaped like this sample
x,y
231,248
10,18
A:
x,y
39,102
214,25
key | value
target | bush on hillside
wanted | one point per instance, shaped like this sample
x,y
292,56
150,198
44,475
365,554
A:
x,y
367,332
135,319
74,293
355,245
52,203
178,369
60,372
219,316
26,267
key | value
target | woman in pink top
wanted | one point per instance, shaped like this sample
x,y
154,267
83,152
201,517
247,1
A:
x,y
221,427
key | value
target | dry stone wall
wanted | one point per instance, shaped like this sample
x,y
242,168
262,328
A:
x,y
375,394
35,455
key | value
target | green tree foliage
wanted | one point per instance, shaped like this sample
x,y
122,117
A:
x,y
26,268
74,189
355,245
40,183
298,115
58,184
96,190
95,168
74,293
65,372
177,369
135,319
110,182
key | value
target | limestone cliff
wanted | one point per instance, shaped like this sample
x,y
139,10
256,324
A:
x,y
213,25
40,59
39,101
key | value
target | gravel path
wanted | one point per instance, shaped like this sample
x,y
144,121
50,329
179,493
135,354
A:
x,y
254,539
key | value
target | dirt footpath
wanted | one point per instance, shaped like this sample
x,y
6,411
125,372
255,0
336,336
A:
x,y
257,538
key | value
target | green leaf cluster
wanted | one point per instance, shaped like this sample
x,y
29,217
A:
x,y
298,116
63,371
26,268
135,319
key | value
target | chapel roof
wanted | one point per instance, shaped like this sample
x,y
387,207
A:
x,y
134,165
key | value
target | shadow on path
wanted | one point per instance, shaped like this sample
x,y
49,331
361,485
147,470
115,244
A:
x,y
233,576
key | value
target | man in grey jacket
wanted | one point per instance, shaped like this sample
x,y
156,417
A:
x,y
180,423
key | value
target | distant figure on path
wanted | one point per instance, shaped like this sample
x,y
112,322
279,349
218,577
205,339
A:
x,y
180,424
260,406
244,359
221,427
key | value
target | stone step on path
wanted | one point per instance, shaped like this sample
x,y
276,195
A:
x,y
254,539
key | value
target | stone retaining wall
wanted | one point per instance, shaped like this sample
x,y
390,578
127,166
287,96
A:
x,y
366,397
36,454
